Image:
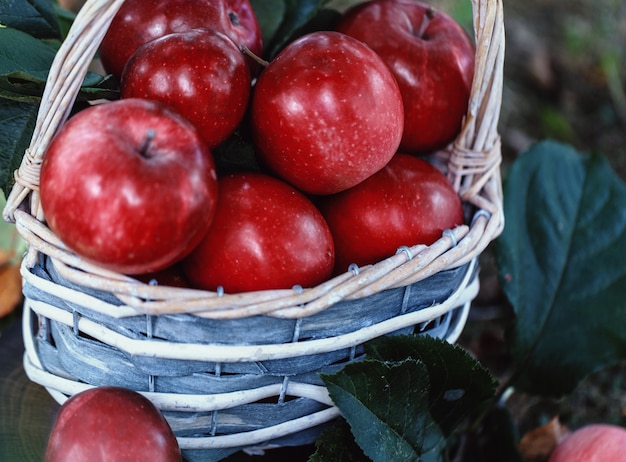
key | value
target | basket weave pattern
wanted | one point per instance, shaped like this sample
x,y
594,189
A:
x,y
236,370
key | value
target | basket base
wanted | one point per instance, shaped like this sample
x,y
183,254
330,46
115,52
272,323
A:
x,y
214,406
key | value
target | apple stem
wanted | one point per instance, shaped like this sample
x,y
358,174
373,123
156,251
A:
x,y
143,149
431,12
246,51
234,19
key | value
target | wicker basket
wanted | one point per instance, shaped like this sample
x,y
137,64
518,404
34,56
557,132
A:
x,y
236,371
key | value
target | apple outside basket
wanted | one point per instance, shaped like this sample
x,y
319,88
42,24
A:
x,y
233,371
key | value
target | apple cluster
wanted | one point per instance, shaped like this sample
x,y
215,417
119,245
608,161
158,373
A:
x,y
340,122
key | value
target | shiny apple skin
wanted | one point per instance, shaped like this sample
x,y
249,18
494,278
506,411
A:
x,y
326,113
408,202
266,235
140,21
106,424
126,206
434,67
201,74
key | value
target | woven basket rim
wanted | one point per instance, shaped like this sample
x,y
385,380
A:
x,y
473,164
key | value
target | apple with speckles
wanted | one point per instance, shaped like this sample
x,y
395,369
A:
x,y
432,58
129,185
326,113
141,21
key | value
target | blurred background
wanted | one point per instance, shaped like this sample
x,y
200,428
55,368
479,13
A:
x,y
565,75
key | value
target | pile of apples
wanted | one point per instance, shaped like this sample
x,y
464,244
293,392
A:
x,y
340,122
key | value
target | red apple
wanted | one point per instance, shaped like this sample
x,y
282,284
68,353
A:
x,y
431,57
592,443
266,235
326,113
408,202
111,424
200,73
130,185
141,21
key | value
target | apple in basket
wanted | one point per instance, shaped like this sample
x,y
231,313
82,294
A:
x,y
201,74
266,235
130,185
326,113
408,202
592,443
105,424
432,58
141,21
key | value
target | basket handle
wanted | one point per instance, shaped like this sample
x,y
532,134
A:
x,y
474,158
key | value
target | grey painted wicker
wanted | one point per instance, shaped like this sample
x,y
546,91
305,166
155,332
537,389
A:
x,y
241,370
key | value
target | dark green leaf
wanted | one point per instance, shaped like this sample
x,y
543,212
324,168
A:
x,y
18,122
270,14
562,266
337,444
387,407
35,17
24,66
459,385
20,52
297,14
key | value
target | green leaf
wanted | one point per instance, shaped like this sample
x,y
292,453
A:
x,y
459,385
24,66
562,266
387,408
22,53
294,16
270,14
18,122
35,17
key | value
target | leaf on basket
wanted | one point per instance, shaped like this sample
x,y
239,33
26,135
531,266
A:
x,y
386,406
562,266
35,17
23,60
24,66
411,394
459,385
